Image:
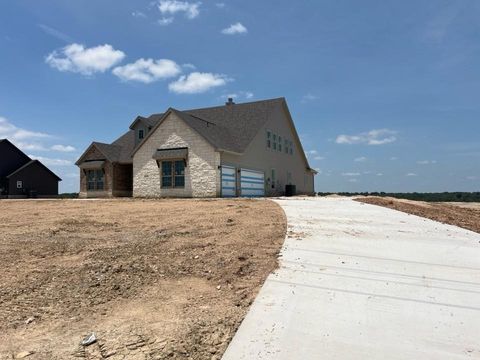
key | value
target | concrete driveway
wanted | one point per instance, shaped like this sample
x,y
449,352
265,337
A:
x,y
359,281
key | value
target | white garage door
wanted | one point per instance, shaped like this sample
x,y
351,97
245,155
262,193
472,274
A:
x,y
229,188
252,183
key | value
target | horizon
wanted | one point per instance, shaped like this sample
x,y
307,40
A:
x,y
384,95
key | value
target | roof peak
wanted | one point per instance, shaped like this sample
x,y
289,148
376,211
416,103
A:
x,y
229,106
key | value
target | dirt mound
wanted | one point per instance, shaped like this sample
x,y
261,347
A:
x,y
465,217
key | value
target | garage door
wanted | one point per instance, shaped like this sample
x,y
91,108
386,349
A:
x,y
252,183
228,181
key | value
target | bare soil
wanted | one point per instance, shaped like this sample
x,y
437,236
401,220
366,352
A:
x,y
458,214
154,279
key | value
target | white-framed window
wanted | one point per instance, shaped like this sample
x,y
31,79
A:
x,y
19,184
269,139
141,134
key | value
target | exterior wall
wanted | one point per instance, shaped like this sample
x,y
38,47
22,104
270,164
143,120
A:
x,y
11,159
122,179
35,178
94,154
202,176
259,157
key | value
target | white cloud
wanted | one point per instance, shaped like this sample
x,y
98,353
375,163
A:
x,y
350,174
471,178
393,158
353,180
87,61
138,14
319,158
50,161
411,174
10,131
220,5
236,28
372,137
312,152
63,148
308,97
197,82
247,95
55,33
360,159
379,174
148,70
189,66
172,7
164,21
426,162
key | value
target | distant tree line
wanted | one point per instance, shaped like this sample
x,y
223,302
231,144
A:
x,y
433,197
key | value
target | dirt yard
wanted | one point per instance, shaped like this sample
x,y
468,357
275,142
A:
x,y
460,214
154,279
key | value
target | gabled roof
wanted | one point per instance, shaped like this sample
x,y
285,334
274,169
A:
x,y
230,127
30,163
150,121
117,152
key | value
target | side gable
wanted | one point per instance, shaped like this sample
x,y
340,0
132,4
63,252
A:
x,y
12,158
34,164
185,118
91,150
297,138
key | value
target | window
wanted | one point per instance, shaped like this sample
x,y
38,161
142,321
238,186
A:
x,y
141,134
289,178
173,174
286,146
95,180
274,142
291,148
273,178
269,139
19,184
280,143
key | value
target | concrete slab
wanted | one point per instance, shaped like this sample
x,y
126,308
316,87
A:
x,y
358,281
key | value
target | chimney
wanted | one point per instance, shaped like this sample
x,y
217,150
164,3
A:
x,y
230,101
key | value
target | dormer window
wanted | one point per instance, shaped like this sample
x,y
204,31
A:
x,y
141,134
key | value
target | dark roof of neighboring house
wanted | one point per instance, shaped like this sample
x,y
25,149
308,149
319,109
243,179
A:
x,y
31,162
230,127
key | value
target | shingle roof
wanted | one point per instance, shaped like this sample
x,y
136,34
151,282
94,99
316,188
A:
x,y
31,162
229,127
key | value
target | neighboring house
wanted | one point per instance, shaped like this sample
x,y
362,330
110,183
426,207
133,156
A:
x,y
249,149
22,177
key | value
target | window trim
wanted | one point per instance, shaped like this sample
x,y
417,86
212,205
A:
x,y
95,181
20,182
172,176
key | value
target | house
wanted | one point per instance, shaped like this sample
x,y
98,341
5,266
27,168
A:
x,y
248,149
22,177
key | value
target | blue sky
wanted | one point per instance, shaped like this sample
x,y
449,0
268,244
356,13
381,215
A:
x,y
385,94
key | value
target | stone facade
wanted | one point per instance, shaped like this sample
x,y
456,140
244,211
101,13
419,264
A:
x,y
202,174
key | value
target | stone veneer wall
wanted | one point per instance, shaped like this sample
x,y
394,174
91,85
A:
x,y
202,176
